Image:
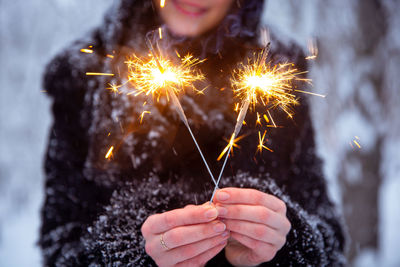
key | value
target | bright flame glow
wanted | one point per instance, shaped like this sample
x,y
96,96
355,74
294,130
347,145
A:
x,y
272,86
162,3
156,77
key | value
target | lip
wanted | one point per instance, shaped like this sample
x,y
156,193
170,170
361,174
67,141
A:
x,y
189,9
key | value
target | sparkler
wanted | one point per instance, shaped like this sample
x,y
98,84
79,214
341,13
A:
x,y
162,3
159,76
257,82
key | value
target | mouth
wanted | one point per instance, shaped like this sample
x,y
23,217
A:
x,y
188,8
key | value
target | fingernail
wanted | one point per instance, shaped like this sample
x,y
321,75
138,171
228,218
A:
x,y
222,211
211,213
222,196
225,234
223,242
219,227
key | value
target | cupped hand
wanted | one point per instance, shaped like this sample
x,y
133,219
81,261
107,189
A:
x,y
257,223
190,236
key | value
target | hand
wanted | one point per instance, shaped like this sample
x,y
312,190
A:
x,y
190,236
257,223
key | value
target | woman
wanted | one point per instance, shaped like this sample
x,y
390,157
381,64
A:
x,y
133,210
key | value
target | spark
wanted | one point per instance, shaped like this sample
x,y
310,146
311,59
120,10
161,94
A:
x,y
357,144
99,74
266,118
310,93
272,119
114,88
231,144
86,50
236,107
160,32
142,115
110,56
162,3
258,122
261,142
311,57
161,76
109,153
312,48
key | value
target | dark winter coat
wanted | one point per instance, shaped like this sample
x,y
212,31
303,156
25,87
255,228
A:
x,y
94,207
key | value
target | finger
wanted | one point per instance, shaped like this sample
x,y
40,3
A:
x,y
186,252
256,231
232,195
265,251
184,235
160,223
258,214
204,257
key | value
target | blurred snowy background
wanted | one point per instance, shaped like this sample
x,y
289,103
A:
x,y
358,68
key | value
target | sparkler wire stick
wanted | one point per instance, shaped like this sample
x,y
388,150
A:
x,y
179,109
239,122
181,113
238,127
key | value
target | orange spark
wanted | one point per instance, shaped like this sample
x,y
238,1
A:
x,y
99,74
109,153
114,88
261,142
357,144
87,51
272,119
160,32
236,107
142,115
231,144
258,119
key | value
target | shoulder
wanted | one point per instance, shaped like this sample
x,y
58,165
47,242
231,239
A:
x,y
65,74
286,49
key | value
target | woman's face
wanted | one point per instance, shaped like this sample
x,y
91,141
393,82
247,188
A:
x,y
192,17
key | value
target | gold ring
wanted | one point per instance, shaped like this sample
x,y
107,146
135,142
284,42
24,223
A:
x,y
163,242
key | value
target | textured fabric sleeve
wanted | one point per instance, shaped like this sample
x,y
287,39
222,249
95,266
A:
x,y
313,239
71,201
115,238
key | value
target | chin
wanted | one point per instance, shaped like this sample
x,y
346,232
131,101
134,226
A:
x,y
186,31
